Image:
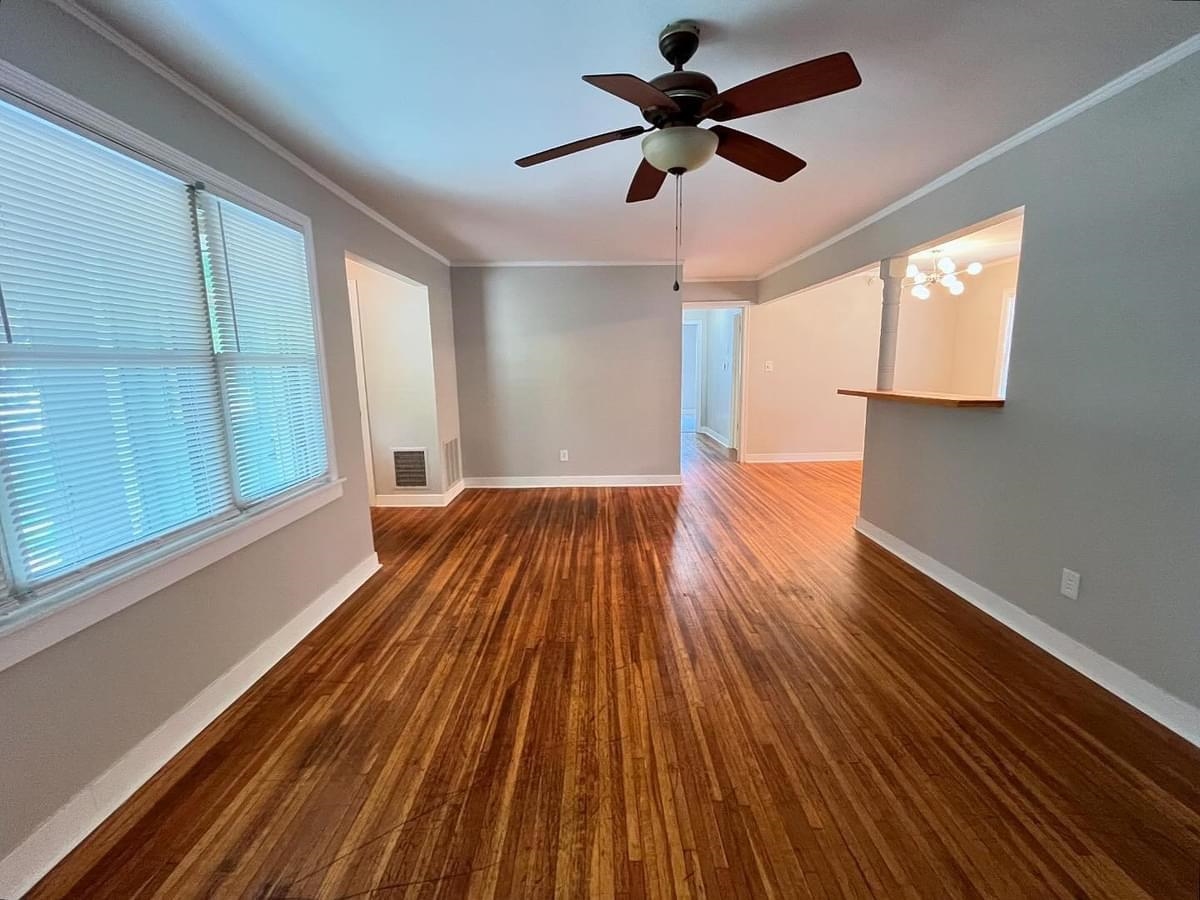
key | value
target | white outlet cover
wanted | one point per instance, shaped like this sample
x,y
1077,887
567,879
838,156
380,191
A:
x,y
769,366
563,456
1069,586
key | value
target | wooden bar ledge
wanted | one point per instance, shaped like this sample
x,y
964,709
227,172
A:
x,y
928,399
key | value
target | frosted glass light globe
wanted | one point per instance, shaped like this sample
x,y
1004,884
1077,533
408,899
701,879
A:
x,y
946,264
912,271
680,148
921,292
974,268
957,288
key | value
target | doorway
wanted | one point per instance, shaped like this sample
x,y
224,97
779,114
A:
x,y
711,383
689,418
393,356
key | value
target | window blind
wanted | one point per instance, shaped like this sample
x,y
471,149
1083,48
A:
x,y
158,360
265,339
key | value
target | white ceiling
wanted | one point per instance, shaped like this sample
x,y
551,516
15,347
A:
x,y
420,108
1001,240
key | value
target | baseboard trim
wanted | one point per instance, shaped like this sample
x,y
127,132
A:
x,y
1166,709
74,821
810,456
568,481
405,500
719,438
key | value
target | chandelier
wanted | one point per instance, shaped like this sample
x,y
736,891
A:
x,y
945,271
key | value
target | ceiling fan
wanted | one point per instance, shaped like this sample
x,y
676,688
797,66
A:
x,y
676,102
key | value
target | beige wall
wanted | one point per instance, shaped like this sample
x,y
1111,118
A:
x,y
71,711
817,341
978,329
950,344
1092,464
581,358
397,358
925,342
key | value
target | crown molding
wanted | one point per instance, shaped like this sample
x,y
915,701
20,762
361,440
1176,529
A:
x,y
1111,89
139,53
1107,91
559,263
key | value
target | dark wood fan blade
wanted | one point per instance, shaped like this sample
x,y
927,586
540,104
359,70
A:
x,y
787,87
646,182
640,93
581,144
755,154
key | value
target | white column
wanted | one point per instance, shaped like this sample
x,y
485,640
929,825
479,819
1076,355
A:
x,y
891,270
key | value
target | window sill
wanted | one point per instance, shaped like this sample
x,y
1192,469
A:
x,y
26,632
920,398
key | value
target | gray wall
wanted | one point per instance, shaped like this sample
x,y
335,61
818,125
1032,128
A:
x,y
72,710
718,291
1094,464
583,358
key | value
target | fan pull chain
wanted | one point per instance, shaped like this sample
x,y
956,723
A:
x,y
678,226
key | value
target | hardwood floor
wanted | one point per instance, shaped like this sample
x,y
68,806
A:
x,y
716,691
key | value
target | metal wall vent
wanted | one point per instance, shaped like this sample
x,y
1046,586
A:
x,y
410,466
452,461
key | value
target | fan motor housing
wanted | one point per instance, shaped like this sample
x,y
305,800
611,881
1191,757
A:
x,y
688,89
678,41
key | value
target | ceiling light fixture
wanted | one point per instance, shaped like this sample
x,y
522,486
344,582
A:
x,y
683,148
676,102
945,271
675,151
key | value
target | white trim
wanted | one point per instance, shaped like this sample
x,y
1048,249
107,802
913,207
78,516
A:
x,y
1105,92
1166,709
1111,89
427,499
49,102
106,31
716,279
1004,351
55,837
57,106
725,442
360,378
567,481
24,633
808,456
454,490
698,344
559,263
737,395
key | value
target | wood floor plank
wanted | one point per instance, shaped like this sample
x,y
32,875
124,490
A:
x,y
714,691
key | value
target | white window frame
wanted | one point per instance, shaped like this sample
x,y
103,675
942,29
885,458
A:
x,y
82,599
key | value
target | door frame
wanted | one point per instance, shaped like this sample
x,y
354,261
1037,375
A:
x,y
699,341
738,400
360,373
1008,311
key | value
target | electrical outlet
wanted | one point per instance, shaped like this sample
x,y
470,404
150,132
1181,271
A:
x,y
563,456
1070,584
769,366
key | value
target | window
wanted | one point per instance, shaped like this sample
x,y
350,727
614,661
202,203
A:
x,y
159,373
